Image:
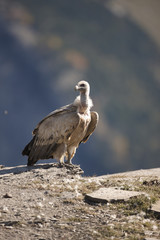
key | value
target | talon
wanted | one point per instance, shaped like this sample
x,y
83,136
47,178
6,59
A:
x,y
60,165
69,162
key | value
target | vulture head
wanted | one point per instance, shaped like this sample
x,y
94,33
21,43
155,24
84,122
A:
x,y
83,87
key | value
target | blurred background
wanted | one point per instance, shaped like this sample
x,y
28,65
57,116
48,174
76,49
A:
x,y
46,47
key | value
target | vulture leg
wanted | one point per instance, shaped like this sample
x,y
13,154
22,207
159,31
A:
x,y
70,152
60,153
61,161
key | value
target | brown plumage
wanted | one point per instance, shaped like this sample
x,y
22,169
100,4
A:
x,y
59,134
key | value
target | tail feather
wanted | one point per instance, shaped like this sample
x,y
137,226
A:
x,y
28,147
41,152
36,152
27,150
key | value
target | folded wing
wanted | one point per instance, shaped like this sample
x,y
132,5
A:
x,y
51,132
92,126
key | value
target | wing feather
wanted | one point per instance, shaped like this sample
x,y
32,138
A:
x,y
92,126
61,111
52,131
56,128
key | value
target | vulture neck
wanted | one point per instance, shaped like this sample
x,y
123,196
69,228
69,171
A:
x,y
84,102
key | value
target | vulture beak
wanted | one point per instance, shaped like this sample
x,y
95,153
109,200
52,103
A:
x,y
76,88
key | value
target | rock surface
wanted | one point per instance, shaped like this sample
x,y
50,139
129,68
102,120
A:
x,y
112,194
48,202
156,208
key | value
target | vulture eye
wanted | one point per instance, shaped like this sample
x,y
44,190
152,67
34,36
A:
x,y
82,85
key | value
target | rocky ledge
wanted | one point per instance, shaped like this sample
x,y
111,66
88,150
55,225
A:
x,y
51,202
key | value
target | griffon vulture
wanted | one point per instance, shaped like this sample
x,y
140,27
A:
x,y
59,134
